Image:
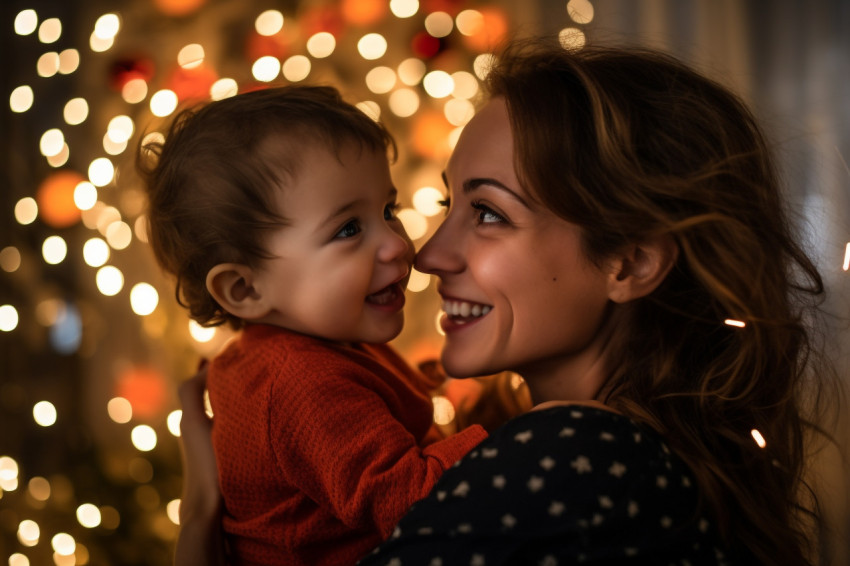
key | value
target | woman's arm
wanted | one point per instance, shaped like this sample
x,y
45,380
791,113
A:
x,y
201,540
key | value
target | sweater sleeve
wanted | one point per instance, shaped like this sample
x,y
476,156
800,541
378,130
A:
x,y
341,441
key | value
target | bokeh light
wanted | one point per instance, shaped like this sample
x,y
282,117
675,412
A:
x,y
95,252
580,11
44,413
21,99
26,22
191,56
55,198
69,61
120,410
411,71
101,172
54,250
404,8
88,515
29,532
143,299
321,45
109,280
296,68
10,259
266,68
372,46
414,223
163,103
76,111
107,26
200,333
50,30
269,22
427,201
404,102
26,211
8,318
143,438
418,281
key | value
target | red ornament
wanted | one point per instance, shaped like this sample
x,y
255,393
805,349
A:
x,y
451,7
321,18
145,389
194,83
425,45
129,67
277,45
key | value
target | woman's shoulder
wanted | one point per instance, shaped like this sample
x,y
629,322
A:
x,y
571,482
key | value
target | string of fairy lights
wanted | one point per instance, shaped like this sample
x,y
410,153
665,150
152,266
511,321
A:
x,y
424,79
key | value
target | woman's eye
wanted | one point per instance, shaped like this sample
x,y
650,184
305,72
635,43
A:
x,y
351,229
390,211
487,215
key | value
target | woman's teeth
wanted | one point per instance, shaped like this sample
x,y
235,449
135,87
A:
x,y
463,309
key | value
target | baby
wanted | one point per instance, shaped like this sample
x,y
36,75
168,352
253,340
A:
x,y
275,212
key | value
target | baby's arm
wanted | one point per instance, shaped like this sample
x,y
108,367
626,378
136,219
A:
x,y
200,540
348,450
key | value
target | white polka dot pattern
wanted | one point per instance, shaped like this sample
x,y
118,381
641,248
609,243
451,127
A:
x,y
560,486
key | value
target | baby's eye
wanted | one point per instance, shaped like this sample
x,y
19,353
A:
x,y
390,211
349,230
487,215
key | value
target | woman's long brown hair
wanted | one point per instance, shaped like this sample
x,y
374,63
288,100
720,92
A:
x,y
631,144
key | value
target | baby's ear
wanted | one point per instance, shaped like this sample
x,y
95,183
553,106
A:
x,y
232,286
640,268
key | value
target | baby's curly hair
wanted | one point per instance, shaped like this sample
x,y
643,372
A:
x,y
211,183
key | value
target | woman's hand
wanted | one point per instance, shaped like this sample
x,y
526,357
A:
x,y
201,539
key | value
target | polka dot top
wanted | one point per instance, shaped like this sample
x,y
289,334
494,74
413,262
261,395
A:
x,y
565,485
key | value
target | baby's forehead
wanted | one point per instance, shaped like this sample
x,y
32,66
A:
x,y
290,152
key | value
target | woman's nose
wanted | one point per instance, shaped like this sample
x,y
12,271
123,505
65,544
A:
x,y
442,253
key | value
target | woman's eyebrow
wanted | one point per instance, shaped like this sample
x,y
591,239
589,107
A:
x,y
472,184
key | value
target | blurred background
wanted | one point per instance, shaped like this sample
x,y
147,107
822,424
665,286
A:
x,y
92,344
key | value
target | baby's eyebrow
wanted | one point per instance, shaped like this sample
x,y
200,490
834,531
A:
x,y
341,210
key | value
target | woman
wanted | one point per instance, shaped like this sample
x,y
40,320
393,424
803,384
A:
x,y
616,235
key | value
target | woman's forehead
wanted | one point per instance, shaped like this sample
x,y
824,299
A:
x,y
485,146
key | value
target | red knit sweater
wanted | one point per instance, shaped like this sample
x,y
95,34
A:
x,y
321,447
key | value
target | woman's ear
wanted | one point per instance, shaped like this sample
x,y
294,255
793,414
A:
x,y
641,268
232,286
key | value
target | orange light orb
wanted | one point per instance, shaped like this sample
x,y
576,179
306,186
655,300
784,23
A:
x,y
55,198
192,83
321,18
430,135
177,8
276,45
491,33
363,12
144,388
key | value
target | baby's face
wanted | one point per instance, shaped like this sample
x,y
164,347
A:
x,y
341,265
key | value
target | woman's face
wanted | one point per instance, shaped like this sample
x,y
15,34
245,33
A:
x,y
518,293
